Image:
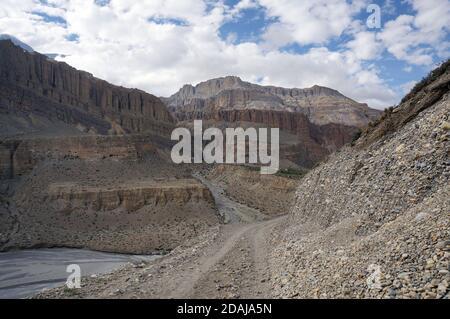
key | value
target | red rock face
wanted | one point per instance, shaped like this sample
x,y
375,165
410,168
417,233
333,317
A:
x,y
321,105
322,119
32,83
314,142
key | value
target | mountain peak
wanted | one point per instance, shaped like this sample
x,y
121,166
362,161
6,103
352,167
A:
x,y
321,104
26,47
17,42
215,86
223,83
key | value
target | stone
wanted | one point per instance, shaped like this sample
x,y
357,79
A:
x,y
443,244
445,126
421,216
386,213
322,105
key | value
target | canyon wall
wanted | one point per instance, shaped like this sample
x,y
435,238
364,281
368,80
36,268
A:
x,y
316,121
19,156
138,217
132,195
122,203
31,83
321,105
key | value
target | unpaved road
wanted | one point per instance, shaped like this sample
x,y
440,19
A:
x,y
228,262
230,210
239,269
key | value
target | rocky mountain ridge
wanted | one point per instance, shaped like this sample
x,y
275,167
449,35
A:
x,y
314,122
320,104
37,93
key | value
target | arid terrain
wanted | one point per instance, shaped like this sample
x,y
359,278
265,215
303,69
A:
x,y
314,122
360,208
228,261
86,164
370,222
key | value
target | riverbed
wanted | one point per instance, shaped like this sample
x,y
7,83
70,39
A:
x,y
24,273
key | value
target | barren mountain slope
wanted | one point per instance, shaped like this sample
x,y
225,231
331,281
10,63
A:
x,y
378,212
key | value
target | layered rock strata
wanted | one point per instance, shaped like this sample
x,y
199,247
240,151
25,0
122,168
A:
x,y
31,83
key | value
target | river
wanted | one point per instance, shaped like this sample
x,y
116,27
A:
x,y
24,273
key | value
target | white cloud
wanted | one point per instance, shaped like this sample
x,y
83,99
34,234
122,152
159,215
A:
x,y
389,7
244,5
433,16
365,45
160,45
406,87
308,21
415,39
403,41
408,68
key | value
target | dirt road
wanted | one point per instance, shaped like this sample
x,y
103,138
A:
x,y
229,209
228,262
239,269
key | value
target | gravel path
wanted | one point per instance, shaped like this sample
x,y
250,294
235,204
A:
x,y
229,209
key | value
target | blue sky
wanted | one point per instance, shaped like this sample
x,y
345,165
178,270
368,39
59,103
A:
x,y
252,22
248,27
159,45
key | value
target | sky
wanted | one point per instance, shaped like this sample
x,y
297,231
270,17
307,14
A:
x,y
372,51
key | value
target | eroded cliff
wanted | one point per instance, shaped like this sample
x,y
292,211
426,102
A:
x,y
36,91
321,105
314,121
119,204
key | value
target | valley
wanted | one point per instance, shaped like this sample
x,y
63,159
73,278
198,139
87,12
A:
x,y
359,208
229,261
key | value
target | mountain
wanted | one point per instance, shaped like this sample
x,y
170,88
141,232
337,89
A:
x,y
84,163
321,105
40,95
314,122
17,42
372,221
26,47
